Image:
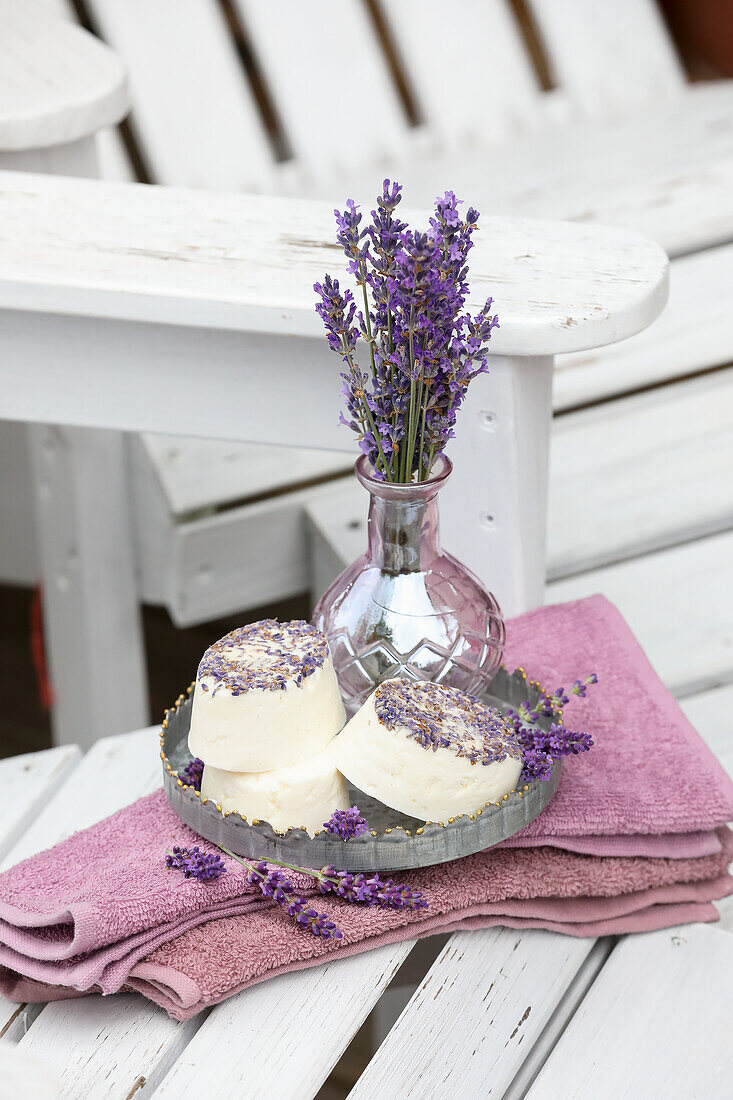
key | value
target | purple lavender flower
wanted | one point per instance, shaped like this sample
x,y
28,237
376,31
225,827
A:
x,y
193,773
275,885
540,748
423,349
371,891
194,863
346,823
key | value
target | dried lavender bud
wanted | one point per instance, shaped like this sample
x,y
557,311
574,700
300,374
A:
x,y
346,823
192,773
540,748
194,863
423,348
286,652
275,885
372,891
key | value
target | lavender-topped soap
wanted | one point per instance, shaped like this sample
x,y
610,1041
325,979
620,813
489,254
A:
x,y
266,696
429,751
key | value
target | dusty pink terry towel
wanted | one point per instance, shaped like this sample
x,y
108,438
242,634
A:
x,y
532,888
101,912
81,913
649,772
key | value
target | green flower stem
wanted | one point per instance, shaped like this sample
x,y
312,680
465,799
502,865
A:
x,y
250,865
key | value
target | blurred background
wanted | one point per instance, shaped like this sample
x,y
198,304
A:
x,y
559,108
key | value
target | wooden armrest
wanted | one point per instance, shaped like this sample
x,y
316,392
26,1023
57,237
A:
x,y
247,263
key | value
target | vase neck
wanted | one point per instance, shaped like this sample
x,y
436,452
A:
x,y
404,535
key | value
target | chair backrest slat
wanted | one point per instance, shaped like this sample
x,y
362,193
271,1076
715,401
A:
x,y
468,66
331,84
193,108
608,55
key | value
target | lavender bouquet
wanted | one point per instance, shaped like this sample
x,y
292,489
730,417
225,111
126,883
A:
x,y
409,348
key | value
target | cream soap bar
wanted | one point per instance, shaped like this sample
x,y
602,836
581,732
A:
x,y
429,751
266,696
303,794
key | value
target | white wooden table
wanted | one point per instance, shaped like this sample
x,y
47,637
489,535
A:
x,y
500,1012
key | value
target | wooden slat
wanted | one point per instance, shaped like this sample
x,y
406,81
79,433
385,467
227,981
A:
x,y
711,713
334,999
234,560
483,88
608,58
677,602
178,257
692,334
28,781
665,171
663,1004
644,472
192,105
100,1047
330,83
198,474
476,1015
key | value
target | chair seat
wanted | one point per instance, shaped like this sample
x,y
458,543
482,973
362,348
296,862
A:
x,y
665,171
59,83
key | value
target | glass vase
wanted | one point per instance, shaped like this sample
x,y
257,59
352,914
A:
x,y
405,608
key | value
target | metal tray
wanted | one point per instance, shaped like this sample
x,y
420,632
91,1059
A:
x,y
396,842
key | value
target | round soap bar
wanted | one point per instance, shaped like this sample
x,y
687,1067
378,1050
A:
x,y
302,794
429,751
266,696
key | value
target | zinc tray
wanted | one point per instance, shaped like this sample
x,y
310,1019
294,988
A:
x,y
396,842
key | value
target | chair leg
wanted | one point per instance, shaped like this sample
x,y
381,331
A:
x,y
494,508
92,623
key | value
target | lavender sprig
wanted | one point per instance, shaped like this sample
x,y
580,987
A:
x,y
192,773
540,748
423,347
194,863
275,885
371,891
346,823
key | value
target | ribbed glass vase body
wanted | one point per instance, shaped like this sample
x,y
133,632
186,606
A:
x,y
405,607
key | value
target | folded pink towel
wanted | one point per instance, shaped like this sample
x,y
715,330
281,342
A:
x,y
649,772
101,912
532,888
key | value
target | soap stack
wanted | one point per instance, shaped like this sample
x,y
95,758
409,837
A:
x,y
266,710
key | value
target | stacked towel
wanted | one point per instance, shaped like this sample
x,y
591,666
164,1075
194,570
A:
x,y
634,840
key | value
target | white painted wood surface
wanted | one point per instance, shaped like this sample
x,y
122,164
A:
x,y
160,254
678,603
494,508
192,105
692,334
664,170
204,474
340,112
656,1022
92,622
644,472
58,83
608,58
101,1046
711,713
476,1015
27,782
305,1019
484,89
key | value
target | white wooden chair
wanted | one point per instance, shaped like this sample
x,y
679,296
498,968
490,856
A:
x,y
200,548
